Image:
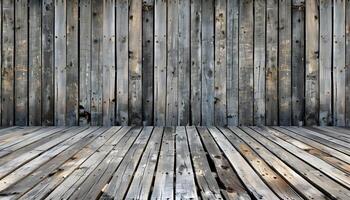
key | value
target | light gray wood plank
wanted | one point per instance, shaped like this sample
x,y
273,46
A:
x,y
220,112
35,63
184,63
108,52
246,63
8,59
135,62
347,63
271,62
122,15
339,63
207,62
259,61
21,62
312,63
232,29
160,61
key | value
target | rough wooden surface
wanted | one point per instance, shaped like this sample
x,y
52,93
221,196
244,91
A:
x,y
175,62
174,162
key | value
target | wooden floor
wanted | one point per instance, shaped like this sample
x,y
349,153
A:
x,y
174,162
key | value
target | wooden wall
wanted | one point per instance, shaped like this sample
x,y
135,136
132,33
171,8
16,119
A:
x,y
175,62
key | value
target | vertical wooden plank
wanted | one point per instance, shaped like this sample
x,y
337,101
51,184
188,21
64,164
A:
x,y
135,62
96,63
339,62
48,97
325,58
271,62
34,61
312,62
220,114
85,62
1,60
196,65
108,52
21,62
347,62
172,64
60,62
147,61
207,62
160,31
122,115
184,62
7,70
72,63
298,61
232,62
259,61
246,62
284,62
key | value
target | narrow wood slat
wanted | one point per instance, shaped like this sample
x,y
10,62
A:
x,y
323,182
207,184
302,185
108,63
271,62
326,62
220,113
207,62
232,29
8,59
21,62
251,180
163,186
246,63
331,133
259,61
298,62
141,184
35,63
347,64
271,178
339,70
312,62
85,61
147,62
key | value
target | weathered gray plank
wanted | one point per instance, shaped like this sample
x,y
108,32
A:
x,y
259,61
347,63
108,71
35,63
172,68
339,62
85,62
21,62
48,97
8,59
122,18
232,61
284,62
135,62
160,62
220,114
72,68
196,61
207,62
312,62
325,62
96,62
271,62
60,62
246,63
147,61
298,62
184,63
